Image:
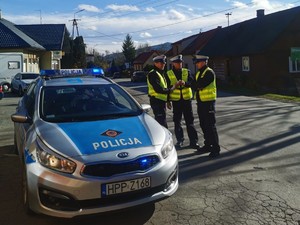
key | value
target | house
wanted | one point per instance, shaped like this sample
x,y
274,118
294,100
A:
x,y
261,53
195,46
144,59
40,44
177,48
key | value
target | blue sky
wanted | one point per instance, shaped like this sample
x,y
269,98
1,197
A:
x,y
104,24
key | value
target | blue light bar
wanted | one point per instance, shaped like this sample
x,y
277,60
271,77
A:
x,y
71,72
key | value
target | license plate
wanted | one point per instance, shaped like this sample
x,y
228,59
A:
x,y
125,186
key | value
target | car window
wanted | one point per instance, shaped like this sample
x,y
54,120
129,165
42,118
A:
x,y
86,102
29,76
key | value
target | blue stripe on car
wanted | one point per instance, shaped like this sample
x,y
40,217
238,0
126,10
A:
x,y
90,139
28,157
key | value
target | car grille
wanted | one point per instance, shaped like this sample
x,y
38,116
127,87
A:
x,y
109,169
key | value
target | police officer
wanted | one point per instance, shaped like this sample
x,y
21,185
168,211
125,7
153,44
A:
x,y
181,99
206,95
158,90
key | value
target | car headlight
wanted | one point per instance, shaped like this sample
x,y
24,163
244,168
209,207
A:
x,y
54,161
168,147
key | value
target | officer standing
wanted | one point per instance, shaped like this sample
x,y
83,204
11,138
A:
x,y
181,99
206,95
158,90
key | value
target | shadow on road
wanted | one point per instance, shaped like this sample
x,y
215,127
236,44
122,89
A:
x,y
189,169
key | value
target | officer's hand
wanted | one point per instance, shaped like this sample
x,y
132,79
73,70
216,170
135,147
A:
x,y
182,83
173,88
178,83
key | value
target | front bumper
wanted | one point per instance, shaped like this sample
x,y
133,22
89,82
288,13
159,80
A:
x,y
64,195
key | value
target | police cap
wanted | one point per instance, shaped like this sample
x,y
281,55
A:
x,y
176,59
160,58
200,58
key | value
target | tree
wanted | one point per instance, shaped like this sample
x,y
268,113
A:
x,y
128,49
79,52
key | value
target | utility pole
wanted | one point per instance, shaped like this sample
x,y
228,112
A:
x,y
75,24
227,15
40,15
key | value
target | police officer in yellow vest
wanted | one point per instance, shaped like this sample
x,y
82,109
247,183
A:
x,y
206,95
181,99
158,90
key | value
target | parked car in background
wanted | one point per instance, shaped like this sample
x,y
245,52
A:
x,y
116,75
21,81
87,146
138,76
1,92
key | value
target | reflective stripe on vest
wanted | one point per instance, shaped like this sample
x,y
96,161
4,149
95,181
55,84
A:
x,y
163,84
209,93
176,94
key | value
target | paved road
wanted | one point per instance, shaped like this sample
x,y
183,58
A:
x,y
255,181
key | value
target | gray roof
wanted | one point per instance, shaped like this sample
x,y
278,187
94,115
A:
x,y
12,37
251,36
48,37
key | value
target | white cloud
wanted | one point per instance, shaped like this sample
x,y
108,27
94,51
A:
x,y
150,9
187,7
145,35
175,15
123,8
89,8
240,5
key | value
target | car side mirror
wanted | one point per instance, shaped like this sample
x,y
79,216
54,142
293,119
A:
x,y
19,118
146,107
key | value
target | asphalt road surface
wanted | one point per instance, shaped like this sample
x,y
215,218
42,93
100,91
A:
x,y
255,180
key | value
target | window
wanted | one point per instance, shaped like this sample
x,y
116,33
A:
x,y
294,60
245,63
13,65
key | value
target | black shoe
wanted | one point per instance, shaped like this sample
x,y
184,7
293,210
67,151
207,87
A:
x,y
214,155
179,144
203,149
194,146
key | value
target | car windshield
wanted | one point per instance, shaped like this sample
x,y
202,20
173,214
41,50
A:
x,y
29,76
86,103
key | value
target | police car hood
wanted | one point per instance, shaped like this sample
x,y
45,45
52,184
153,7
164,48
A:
x,y
95,137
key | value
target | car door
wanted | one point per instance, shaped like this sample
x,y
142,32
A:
x,y
15,81
25,107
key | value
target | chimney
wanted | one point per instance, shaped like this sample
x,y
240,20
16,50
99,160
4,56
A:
x,y
260,13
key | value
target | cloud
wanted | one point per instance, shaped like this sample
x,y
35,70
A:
x,y
150,9
175,15
145,35
187,7
123,8
89,8
240,5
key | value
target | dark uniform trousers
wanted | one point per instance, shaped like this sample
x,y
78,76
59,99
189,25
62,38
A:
x,y
184,107
159,111
206,112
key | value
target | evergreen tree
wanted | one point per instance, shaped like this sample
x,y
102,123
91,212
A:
x,y
128,49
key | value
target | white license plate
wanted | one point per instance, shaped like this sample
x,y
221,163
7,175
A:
x,y
125,186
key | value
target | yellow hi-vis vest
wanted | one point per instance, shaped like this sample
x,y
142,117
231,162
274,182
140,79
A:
x,y
186,91
209,93
163,84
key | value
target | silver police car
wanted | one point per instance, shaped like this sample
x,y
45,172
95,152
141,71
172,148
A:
x,y
86,146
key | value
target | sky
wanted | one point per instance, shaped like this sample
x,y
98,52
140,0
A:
x,y
104,24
